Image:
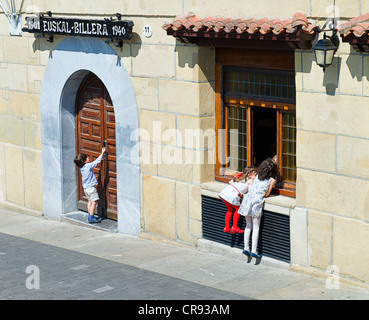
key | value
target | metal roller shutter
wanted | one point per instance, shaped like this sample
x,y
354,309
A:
x,y
274,237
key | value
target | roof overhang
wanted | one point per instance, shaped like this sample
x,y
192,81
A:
x,y
356,33
288,34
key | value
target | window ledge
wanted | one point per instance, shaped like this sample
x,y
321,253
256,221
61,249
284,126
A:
x,y
274,203
212,189
280,204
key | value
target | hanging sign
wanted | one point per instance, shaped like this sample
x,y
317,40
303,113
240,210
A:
x,y
120,29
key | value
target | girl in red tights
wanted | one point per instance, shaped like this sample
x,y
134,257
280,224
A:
x,y
232,194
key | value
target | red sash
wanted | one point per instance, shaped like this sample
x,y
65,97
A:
x,y
239,193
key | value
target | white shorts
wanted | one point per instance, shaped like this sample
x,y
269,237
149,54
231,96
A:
x,y
91,194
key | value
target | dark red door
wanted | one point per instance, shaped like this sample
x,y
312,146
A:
x,y
95,124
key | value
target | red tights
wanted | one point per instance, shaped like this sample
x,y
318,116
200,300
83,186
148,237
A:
x,y
232,210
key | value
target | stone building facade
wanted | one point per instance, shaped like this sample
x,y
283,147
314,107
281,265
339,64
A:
x,y
164,92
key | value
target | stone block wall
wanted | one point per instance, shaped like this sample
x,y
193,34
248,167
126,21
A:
x,y
21,71
332,160
174,88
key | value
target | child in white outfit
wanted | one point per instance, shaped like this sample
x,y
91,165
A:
x,y
252,204
232,195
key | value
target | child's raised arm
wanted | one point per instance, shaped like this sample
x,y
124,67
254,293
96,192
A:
x,y
271,186
93,164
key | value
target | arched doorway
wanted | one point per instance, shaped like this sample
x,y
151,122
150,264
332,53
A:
x,y
95,128
71,61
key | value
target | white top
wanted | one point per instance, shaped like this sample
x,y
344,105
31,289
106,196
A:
x,y
231,192
252,204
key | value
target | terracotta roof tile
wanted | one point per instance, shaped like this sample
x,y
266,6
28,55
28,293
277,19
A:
x,y
191,22
357,26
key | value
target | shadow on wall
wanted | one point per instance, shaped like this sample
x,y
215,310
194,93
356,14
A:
x,y
43,43
357,66
201,61
331,75
135,46
130,48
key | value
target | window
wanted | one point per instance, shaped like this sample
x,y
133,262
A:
x,y
260,84
256,110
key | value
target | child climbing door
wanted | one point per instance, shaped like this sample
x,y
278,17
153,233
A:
x,y
95,128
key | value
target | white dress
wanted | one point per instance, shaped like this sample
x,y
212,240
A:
x,y
231,192
252,203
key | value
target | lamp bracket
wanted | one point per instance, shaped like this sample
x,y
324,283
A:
x,y
334,38
330,25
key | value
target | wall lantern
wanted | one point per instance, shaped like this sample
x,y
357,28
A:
x,y
325,49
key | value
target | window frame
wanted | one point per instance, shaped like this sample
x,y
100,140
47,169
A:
x,y
228,59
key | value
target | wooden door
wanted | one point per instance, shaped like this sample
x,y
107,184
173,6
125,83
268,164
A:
x,y
95,126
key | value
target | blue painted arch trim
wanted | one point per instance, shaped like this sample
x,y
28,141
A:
x,y
69,63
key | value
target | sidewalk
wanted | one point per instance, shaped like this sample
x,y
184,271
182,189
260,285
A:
x,y
204,270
